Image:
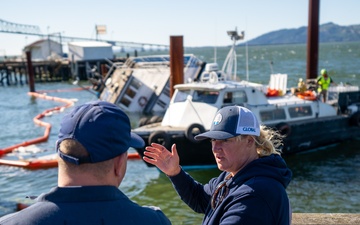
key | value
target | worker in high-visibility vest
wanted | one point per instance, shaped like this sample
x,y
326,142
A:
x,y
324,82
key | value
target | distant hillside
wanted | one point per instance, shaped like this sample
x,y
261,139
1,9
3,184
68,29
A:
x,y
328,32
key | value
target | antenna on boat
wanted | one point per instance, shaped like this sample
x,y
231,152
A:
x,y
271,67
247,61
215,56
230,64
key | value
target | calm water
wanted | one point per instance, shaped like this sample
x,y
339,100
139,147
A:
x,y
325,180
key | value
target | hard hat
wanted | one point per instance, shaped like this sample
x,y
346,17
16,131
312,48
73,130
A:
x,y
323,71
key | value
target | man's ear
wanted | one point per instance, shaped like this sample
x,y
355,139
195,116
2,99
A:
x,y
120,164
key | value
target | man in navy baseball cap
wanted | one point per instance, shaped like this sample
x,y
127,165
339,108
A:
x,y
92,148
102,128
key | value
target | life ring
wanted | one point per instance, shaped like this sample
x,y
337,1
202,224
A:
x,y
307,95
355,119
193,130
284,129
160,137
142,101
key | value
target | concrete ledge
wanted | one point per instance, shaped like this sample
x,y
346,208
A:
x,y
325,218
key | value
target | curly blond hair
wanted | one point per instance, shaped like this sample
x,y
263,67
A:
x,y
269,142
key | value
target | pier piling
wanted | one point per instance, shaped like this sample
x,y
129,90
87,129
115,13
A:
x,y
176,62
30,72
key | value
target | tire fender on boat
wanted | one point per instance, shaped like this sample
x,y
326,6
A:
x,y
284,128
193,130
143,121
160,137
155,119
142,101
355,119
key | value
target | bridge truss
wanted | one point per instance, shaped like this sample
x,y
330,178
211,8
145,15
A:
x,y
23,29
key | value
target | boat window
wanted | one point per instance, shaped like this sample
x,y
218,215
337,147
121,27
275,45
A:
x,y
125,101
228,97
300,111
166,90
130,92
237,97
181,96
161,103
135,84
205,96
275,114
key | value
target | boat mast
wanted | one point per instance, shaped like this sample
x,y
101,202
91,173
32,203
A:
x,y
247,61
313,40
230,64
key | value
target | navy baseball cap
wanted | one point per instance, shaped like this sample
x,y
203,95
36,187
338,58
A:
x,y
102,128
232,121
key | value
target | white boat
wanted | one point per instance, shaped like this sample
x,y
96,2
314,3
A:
x,y
307,122
142,84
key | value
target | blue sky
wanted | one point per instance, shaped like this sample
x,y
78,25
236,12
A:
x,y
200,22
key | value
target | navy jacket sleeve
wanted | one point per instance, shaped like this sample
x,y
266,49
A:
x,y
191,192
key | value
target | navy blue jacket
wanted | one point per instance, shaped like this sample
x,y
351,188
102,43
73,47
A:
x,y
85,205
256,194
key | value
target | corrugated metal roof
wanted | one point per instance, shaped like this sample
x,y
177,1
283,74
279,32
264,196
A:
x,y
90,44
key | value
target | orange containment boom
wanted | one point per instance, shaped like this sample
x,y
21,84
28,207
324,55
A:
x,y
37,121
134,156
45,162
31,164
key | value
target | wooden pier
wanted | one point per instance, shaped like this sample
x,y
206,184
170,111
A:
x,y
14,72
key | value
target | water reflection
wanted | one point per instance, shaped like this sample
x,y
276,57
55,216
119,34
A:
x,y
326,180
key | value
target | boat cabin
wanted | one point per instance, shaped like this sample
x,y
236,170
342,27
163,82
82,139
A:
x,y
199,102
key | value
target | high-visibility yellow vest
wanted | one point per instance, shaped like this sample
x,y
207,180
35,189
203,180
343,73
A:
x,y
323,83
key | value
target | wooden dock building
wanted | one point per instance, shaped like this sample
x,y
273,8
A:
x,y
49,64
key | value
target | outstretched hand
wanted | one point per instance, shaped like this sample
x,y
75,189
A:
x,y
168,162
